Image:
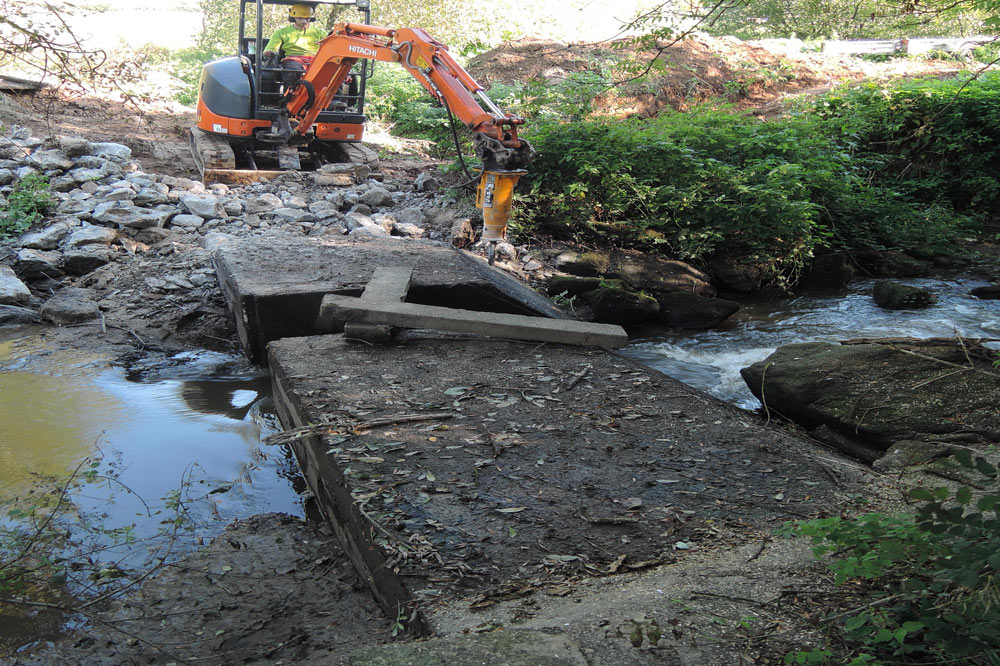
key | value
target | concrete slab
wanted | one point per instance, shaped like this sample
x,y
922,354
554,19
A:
x,y
502,648
460,468
388,284
274,286
516,327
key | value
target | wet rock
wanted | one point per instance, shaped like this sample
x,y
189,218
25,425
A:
x,y
884,392
12,290
613,305
85,259
658,275
907,453
682,309
6,176
48,238
990,292
570,286
513,647
37,264
827,271
70,306
737,276
15,315
895,296
896,264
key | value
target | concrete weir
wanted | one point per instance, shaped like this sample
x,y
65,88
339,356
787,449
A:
x,y
455,467
274,287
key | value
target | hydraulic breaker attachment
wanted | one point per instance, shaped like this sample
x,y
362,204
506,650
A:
x,y
494,195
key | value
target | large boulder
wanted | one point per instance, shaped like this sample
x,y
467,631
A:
x,y
896,296
885,391
683,309
614,305
657,275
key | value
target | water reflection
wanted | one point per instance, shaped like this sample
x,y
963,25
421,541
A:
x,y
711,360
190,422
51,415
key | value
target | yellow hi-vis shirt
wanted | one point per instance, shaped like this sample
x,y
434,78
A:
x,y
295,42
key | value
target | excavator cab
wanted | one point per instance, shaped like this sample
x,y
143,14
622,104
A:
x,y
241,97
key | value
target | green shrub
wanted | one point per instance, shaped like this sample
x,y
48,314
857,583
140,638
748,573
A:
x,y
929,138
865,168
931,579
26,205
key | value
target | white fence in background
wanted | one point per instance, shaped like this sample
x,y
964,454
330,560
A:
x,y
905,46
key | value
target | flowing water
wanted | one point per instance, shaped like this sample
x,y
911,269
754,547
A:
x,y
711,360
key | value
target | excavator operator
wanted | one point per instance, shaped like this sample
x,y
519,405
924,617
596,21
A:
x,y
299,42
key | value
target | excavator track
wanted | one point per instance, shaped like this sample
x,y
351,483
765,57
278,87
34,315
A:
x,y
210,151
216,160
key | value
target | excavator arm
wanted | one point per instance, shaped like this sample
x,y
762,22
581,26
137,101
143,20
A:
x,y
503,154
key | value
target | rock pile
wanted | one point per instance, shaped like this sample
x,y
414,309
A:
x,y
106,209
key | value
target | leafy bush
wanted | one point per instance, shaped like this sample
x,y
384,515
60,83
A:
x,y
932,579
928,137
26,204
867,168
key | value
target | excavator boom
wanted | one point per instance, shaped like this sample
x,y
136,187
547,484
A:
x,y
430,63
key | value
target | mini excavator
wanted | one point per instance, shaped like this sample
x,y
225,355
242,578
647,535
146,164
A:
x,y
246,115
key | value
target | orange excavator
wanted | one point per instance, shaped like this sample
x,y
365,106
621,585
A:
x,y
306,113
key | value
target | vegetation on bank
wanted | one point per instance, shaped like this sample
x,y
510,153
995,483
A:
x,y
25,204
862,169
920,587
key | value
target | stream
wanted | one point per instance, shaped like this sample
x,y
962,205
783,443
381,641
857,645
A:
x,y
181,430
711,360
184,433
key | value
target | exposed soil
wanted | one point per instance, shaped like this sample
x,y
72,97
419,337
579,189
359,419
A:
x,y
692,71
289,597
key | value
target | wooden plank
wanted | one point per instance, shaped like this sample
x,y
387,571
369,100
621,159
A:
x,y
495,324
388,285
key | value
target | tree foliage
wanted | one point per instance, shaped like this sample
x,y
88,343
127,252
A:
x,y
36,38
844,19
